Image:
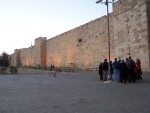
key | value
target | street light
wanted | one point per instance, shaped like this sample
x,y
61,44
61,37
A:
x,y
107,4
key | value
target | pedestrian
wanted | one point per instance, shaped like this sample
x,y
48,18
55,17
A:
x,y
138,69
116,70
101,71
127,68
131,70
105,70
123,72
111,69
119,69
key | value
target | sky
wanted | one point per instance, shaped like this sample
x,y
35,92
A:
x,y
22,21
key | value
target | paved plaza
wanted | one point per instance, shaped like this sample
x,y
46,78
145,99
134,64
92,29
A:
x,y
72,93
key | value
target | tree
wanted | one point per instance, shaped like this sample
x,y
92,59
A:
x,y
4,59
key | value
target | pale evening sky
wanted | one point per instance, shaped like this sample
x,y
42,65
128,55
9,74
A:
x,y
21,21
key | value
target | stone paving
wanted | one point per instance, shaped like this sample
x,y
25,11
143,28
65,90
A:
x,y
72,93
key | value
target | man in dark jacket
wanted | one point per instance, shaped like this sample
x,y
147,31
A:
x,y
101,71
123,72
131,70
105,70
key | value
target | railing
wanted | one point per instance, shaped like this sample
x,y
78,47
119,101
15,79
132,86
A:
x,y
44,69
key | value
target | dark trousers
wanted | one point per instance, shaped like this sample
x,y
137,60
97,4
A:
x,y
138,74
123,77
132,75
101,75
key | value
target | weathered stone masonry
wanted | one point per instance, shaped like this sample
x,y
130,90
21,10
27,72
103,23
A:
x,y
87,45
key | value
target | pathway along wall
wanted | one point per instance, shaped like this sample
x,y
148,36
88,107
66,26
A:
x,y
87,45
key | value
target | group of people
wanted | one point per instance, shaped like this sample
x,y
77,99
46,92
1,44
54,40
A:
x,y
120,70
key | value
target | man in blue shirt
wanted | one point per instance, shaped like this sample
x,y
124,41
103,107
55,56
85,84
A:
x,y
116,70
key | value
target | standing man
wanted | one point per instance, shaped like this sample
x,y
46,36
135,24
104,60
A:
x,y
131,69
123,72
101,71
116,70
105,70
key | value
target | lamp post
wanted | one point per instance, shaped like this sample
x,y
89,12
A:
x,y
107,4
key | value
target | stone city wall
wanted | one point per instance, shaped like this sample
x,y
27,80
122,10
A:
x,y
83,47
131,30
86,46
26,56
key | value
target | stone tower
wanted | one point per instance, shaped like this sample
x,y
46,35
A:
x,y
17,60
39,51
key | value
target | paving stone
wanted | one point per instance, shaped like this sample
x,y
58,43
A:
x,y
72,93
